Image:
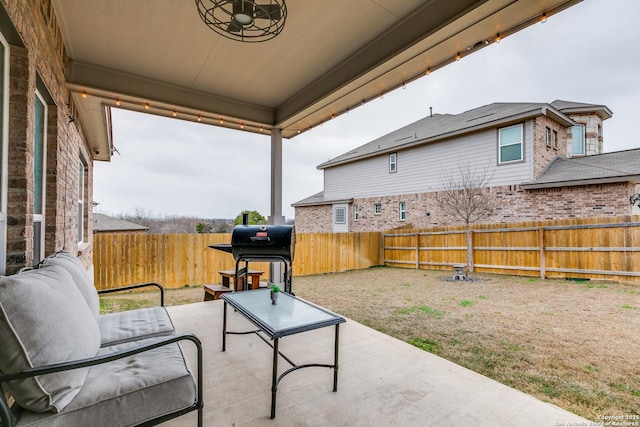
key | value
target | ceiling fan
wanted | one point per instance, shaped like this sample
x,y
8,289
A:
x,y
244,20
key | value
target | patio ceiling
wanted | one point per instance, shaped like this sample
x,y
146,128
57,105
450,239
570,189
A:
x,y
158,57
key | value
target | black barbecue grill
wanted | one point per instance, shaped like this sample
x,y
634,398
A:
x,y
271,243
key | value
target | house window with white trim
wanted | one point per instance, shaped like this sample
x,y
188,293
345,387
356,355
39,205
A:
x,y
377,208
356,212
393,162
341,215
547,136
39,176
82,214
554,139
577,140
403,211
510,144
4,96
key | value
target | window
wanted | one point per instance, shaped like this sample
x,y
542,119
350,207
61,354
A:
x,y
510,144
554,139
341,215
403,211
39,176
356,212
393,162
81,201
377,208
4,73
547,136
577,139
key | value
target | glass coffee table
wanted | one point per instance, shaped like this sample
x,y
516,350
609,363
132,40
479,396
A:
x,y
291,315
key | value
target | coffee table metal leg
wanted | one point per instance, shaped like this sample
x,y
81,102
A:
x,y
274,378
335,359
224,327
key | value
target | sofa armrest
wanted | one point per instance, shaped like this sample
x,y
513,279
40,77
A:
x,y
8,419
136,286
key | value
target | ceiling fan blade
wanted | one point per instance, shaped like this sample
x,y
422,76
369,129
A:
x,y
268,11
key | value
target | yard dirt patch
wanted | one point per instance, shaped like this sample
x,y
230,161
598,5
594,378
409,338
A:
x,y
574,344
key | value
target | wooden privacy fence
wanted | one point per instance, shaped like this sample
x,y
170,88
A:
x,y
597,248
176,260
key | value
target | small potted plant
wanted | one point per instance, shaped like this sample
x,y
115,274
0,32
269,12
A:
x,y
275,293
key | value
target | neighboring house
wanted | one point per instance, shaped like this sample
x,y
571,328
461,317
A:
x,y
46,164
545,161
107,224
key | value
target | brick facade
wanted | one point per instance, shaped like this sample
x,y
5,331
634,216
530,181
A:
x,y
314,219
38,61
513,205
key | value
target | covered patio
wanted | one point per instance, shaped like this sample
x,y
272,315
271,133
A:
x,y
382,381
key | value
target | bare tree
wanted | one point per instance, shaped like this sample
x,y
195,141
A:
x,y
466,196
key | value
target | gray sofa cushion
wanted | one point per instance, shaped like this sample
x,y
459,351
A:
x,y
116,328
81,277
126,391
44,320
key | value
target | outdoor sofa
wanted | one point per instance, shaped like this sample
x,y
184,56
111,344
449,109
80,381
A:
x,y
64,364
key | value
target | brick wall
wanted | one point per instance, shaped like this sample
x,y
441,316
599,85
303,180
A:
x,y
314,219
513,205
41,57
542,152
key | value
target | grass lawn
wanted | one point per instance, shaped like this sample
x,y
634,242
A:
x,y
574,344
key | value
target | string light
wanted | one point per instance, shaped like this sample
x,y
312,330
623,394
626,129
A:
x,y
146,106
118,102
543,18
427,72
84,94
404,86
199,118
174,113
241,125
498,38
458,56
221,120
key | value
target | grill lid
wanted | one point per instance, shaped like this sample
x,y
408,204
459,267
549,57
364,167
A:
x,y
263,241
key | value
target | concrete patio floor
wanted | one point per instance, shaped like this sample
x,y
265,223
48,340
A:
x,y
382,381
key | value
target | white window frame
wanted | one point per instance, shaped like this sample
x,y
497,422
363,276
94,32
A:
x,y
356,212
554,139
521,143
377,208
340,215
402,208
39,218
584,139
547,136
4,153
393,162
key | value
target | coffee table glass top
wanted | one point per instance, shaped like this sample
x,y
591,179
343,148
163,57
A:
x,y
289,316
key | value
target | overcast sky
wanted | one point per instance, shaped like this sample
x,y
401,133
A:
x,y
589,53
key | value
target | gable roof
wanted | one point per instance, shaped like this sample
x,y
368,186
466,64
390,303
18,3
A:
x,y
442,126
618,166
106,223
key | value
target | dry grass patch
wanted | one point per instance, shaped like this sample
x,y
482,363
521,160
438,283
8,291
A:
x,y
574,344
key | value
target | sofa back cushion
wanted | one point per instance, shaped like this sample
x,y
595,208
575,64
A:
x,y
44,320
81,277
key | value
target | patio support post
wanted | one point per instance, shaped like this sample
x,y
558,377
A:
x,y
275,217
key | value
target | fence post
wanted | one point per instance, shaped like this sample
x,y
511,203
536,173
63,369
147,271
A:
x,y
470,251
417,251
543,267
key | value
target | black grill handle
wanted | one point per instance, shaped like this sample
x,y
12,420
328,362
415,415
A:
x,y
260,239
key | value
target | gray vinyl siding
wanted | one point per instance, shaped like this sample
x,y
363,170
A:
x,y
421,169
